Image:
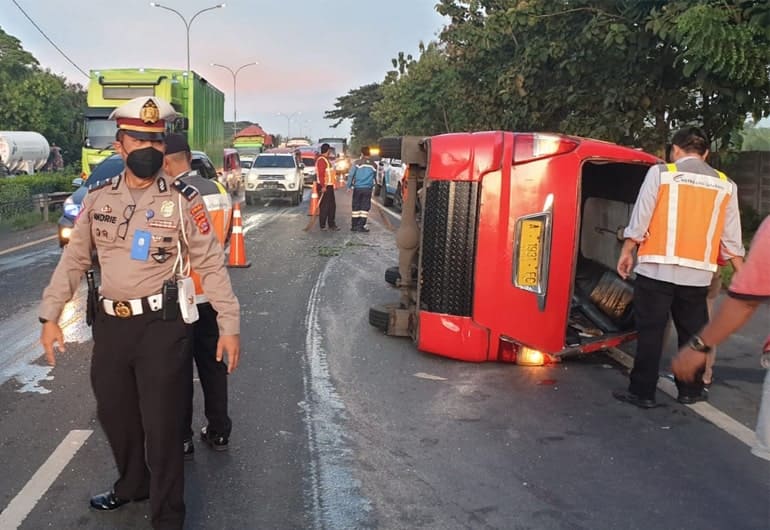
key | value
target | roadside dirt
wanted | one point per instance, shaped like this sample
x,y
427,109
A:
x,y
12,238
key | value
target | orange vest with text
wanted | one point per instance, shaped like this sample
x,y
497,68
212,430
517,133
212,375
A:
x,y
688,219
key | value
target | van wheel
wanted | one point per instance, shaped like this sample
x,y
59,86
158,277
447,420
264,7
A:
x,y
249,200
387,200
398,199
390,147
379,317
392,276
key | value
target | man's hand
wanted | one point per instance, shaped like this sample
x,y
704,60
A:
x,y
232,345
626,259
687,364
50,336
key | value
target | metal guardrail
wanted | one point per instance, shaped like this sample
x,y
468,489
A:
x,y
44,201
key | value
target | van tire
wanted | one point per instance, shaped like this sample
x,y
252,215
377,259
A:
x,y
392,276
379,317
386,199
390,147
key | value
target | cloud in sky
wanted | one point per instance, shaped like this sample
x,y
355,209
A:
x,y
309,51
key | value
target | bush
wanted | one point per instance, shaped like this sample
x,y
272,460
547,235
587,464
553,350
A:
x,y
16,192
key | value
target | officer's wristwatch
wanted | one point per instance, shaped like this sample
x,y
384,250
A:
x,y
42,320
697,344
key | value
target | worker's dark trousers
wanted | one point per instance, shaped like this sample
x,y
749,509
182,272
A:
x,y
654,300
360,206
212,374
140,371
328,208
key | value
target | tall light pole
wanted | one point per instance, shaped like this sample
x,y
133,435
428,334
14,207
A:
x,y
187,24
288,122
234,73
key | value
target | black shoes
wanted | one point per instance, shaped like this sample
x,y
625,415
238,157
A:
x,y
690,400
334,228
108,501
189,449
627,397
359,229
217,442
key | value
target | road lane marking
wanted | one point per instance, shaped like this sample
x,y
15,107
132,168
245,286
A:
x,y
25,245
21,505
702,408
430,377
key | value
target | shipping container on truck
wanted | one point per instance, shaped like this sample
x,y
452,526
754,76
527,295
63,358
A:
x,y
200,105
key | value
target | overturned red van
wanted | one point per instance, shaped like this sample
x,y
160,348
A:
x,y
514,256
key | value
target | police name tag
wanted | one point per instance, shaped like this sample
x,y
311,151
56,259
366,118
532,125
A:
x,y
140,247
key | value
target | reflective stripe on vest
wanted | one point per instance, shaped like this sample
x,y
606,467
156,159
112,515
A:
x,y
688,219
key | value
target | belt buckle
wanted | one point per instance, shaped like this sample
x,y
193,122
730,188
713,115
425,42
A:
x,y
122,309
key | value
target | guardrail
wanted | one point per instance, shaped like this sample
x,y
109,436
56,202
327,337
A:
x,y
44,201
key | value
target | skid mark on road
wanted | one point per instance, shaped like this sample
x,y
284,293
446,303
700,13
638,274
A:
x,y
335,498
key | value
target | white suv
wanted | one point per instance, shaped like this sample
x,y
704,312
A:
x,y
275,174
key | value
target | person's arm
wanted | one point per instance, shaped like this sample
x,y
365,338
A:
x,y
636,231
731,241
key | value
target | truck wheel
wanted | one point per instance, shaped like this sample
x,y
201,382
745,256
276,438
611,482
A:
x,y
249,200
390,147
379,318
387,200
398,199
392,275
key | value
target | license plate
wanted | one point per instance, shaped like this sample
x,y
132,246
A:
x,y
528,270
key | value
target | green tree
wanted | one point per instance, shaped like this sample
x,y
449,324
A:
x,y
33,99
357,105
620,70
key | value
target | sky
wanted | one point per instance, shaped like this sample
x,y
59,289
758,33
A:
x,y
310,52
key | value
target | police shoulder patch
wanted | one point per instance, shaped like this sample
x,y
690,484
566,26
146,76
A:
x,y
114,181
188,191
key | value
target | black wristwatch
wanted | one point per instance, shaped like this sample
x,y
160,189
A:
x,y
697,344
42,320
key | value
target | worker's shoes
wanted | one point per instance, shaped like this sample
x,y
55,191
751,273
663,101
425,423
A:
x,y
690,400
628,397
108,501
217,442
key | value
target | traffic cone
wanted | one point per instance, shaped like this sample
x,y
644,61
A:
x,y
313,209
237,246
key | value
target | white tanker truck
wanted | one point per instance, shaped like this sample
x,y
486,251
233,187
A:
x,y
23,151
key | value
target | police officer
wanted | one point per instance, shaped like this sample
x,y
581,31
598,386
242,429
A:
x,y
211,372
141,362
361,181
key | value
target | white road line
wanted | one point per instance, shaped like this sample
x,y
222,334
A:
x,y
702,408
25,245
33,491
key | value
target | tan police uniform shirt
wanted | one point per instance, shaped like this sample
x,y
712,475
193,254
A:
x,y
109,222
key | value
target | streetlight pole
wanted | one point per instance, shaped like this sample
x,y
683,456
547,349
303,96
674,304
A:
x,y
234,73
187,24
288,122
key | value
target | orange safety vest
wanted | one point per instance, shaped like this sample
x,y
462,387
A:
x,y
688,219
330,176
220,207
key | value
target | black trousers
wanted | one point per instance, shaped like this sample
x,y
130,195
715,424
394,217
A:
x,y
140,370
328,209
360,205
654,300
212,374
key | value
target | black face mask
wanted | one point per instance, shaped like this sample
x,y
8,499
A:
x,y
145,163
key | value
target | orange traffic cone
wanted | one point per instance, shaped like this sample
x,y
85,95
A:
x,y
237,247
313,209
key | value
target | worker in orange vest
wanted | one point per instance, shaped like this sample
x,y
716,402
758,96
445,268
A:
x,y
211,372
327,178
685,217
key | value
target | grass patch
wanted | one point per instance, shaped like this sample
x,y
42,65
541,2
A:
x,y
23,221
329,252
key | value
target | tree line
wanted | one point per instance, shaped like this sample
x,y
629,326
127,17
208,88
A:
x,y
626,71
35,99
